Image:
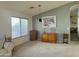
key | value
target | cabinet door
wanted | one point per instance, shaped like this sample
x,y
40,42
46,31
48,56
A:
x,y
52,38
33,35
45,37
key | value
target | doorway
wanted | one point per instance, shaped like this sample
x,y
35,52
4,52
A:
x,y
74,12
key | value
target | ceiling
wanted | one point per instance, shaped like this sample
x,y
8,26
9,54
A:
x,y
24,6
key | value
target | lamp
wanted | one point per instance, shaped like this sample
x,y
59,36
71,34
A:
x,y
40,20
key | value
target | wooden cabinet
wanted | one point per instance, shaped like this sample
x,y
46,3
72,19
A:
x,y
45,37
33,35
52,37
49,37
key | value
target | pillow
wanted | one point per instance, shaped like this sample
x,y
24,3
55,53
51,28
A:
x,y
2,39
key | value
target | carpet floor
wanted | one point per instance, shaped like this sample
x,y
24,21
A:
x,y
42,49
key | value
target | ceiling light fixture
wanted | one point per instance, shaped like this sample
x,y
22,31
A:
x,y
31,7
39,6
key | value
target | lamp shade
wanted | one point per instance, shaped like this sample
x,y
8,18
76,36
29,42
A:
x,y
40,20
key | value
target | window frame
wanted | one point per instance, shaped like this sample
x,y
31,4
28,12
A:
x,y
20,27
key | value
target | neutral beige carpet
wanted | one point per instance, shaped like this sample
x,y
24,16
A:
x,y
42,49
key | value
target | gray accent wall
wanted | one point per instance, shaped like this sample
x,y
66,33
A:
x,y
62,19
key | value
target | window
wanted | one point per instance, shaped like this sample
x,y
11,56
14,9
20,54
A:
x,y
19,27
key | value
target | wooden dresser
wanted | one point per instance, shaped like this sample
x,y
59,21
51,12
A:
x,y
33,35
49,37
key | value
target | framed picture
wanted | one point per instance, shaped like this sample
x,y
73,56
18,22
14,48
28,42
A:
x,y
49,21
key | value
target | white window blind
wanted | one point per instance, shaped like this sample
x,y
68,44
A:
x,y
19,27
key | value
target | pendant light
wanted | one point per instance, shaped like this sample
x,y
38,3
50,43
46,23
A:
x,y
40,20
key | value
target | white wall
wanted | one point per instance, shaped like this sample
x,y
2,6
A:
x,y
62,14
5,24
